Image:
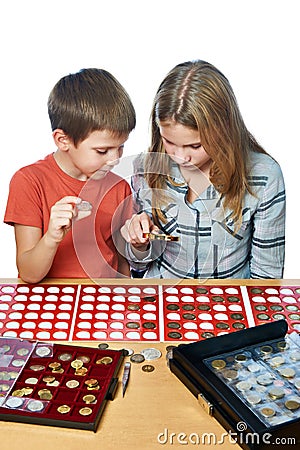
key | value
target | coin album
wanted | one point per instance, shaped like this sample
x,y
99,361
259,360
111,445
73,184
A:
x,y
141,312
251,385
56,384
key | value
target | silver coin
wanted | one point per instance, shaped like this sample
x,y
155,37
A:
x,y
18,362
35,405
22,351
151,353
137,358
84,206
14,402
43,351
128,351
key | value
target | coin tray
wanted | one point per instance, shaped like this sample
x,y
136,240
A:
x,y
251,385
147,313
67,386
275,303
192,313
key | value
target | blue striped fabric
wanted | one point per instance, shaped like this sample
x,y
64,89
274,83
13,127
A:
x,y
208,246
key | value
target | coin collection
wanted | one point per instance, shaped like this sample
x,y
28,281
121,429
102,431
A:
x,y
265,377
59,385
149,313
275,303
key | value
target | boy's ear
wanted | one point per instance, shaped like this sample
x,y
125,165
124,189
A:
x,y
61,139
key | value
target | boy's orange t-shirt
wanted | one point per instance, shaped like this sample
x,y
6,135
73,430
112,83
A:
x,y
88,250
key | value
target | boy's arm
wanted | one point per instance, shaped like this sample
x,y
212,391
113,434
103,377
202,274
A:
x,y
35,253
123,267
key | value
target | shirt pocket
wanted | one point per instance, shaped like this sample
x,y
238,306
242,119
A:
x,y
224,233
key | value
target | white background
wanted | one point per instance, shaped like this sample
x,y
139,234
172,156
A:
x,y
254,43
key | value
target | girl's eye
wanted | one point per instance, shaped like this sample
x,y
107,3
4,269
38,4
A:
x,y
196,147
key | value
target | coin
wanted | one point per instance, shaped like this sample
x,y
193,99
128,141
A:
x,y
18,393
267,412
263,316
27,390
137,358
14,402
222,326
174,335
217,298
151,353
85,359
287,372
92,382
276,392
72,384
105,360
63,409
55,365
243,386
207,335
22,351
188,316
65,357
297,383
128,351
241,357
133,325
254,399
292,405
35,405
133,307
76,364
85,411
276,361
18,362
188,307
254,367
266,349
295,355
48,379
89,398
173,325
201,290
43,351
230,374
147,368
81,371
204,307
264,379
84,205
218,364
149,325
103,346
31,380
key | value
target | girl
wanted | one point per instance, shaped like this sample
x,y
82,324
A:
x,y
206,182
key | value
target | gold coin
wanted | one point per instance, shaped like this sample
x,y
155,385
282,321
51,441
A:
x,y
218,364
85,411
105,360
76,364
63,409
241,357
55,365
266,349
18,393
27,390
81,372
267,412
93,388
48,379
282,345
91,382
292,405
46,396
147,368
89,398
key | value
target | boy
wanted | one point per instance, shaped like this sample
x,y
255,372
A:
x,y
66,208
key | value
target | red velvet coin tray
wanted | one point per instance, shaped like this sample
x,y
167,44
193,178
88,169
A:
x,y
242,384
148,313
192,313
275,303
59,385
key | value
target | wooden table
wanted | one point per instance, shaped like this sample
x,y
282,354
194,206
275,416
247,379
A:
x,y
157,411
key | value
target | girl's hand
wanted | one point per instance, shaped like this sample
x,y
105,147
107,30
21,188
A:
x,y
133,229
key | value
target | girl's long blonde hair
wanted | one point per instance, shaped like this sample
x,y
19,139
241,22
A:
x,y
197,95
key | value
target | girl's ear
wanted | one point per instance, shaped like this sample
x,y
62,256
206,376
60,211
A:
x,y
61,139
